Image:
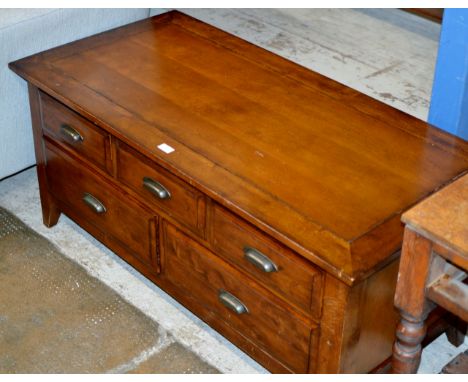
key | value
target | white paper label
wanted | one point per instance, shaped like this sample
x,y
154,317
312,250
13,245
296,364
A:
x,y
166,148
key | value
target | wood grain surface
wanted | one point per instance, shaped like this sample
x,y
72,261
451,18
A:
x,y
272,141
294,278
94,143
276,329
444,217
185,203
124,220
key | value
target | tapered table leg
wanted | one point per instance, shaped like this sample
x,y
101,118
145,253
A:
x,y
50,210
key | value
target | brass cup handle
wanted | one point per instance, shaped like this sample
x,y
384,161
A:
x,y
94,203
232,302
71,133
156,188
258,259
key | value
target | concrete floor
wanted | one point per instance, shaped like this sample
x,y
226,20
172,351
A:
x,y
56,318
387,54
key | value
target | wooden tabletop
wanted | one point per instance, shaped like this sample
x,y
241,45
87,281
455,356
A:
x,y
319,166
443,217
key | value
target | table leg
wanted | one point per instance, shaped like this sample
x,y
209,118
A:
x,y
50,210
410,299
457,331
407,348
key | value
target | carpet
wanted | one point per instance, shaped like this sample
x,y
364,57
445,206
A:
x,y
56,318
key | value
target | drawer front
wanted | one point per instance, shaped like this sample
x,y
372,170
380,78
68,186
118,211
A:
x,y
229,295
102,205
271,264
69,128
162,189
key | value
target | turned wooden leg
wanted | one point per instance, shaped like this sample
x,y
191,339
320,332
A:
x,y
410,299
407,348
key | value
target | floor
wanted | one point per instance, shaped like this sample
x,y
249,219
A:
x,y
56,318
387,54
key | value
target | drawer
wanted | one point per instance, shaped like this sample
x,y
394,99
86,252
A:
x,y
161,189
102,205
271,264
70,129
260,317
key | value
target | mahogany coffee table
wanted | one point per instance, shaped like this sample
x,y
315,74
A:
x,y
264,197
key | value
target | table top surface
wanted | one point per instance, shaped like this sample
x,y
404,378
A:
x,y
322,168
443,216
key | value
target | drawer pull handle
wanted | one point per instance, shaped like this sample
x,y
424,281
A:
x,y
93,203
232,302
156,188
71,133
259,260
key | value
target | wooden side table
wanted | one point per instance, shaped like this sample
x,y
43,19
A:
x,y
433,268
